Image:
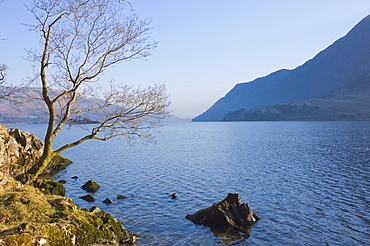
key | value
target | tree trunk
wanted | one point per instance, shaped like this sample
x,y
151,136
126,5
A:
x,y
42,163
48,152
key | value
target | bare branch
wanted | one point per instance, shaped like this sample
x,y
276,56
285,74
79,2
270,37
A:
x,y
80,39
3,69
7,90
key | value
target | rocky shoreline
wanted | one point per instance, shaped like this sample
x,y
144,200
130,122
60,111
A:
x,y
37,213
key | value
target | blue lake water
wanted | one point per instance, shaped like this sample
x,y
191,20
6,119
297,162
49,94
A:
x,y
308,181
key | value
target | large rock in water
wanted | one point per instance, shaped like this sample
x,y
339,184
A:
x,y
230,212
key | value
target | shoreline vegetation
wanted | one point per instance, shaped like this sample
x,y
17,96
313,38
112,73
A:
x,y
35,211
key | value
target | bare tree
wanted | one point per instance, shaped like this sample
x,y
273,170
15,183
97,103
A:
x,y
3,69
4,92
80,39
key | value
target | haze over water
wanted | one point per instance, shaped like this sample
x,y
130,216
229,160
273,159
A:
x,y
308,181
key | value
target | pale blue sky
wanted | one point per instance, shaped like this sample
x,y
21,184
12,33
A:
x,y
207,46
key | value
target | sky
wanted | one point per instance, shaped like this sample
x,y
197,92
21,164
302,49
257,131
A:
x,y
205,47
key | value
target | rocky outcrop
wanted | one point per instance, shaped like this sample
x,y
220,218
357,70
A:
x,y
34,212
230,212
20,150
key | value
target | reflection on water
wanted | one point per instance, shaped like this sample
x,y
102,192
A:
x,y
230,236
308,181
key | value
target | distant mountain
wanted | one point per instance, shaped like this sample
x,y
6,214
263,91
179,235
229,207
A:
x,y
327,77
175,118
32,111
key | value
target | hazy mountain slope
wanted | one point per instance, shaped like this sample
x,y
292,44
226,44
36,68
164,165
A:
x,y
329,70
34,111
351,102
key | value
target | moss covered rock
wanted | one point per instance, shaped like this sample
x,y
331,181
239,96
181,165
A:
x,y
24,239
91,186
30,217
50,187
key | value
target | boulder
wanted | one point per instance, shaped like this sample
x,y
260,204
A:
x,y
108,201
91,186
89,198
229,212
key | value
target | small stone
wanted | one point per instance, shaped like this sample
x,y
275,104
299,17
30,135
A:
x,y
108,201
42,241
133,239
88,198
121,196
173,196
62,181
25,200
130,240
23,227
74,177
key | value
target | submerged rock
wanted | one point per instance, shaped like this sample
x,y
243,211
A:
x,y
91,186
230,212
121,197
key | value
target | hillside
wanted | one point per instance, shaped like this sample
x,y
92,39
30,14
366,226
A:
x,y
343,62
33,111
351,102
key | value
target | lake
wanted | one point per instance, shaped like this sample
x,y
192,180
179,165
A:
x,y
308,181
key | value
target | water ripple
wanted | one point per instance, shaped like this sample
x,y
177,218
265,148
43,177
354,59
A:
x,y
308,181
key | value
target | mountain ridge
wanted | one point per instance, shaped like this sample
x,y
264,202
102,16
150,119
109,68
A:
x,y
328,71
